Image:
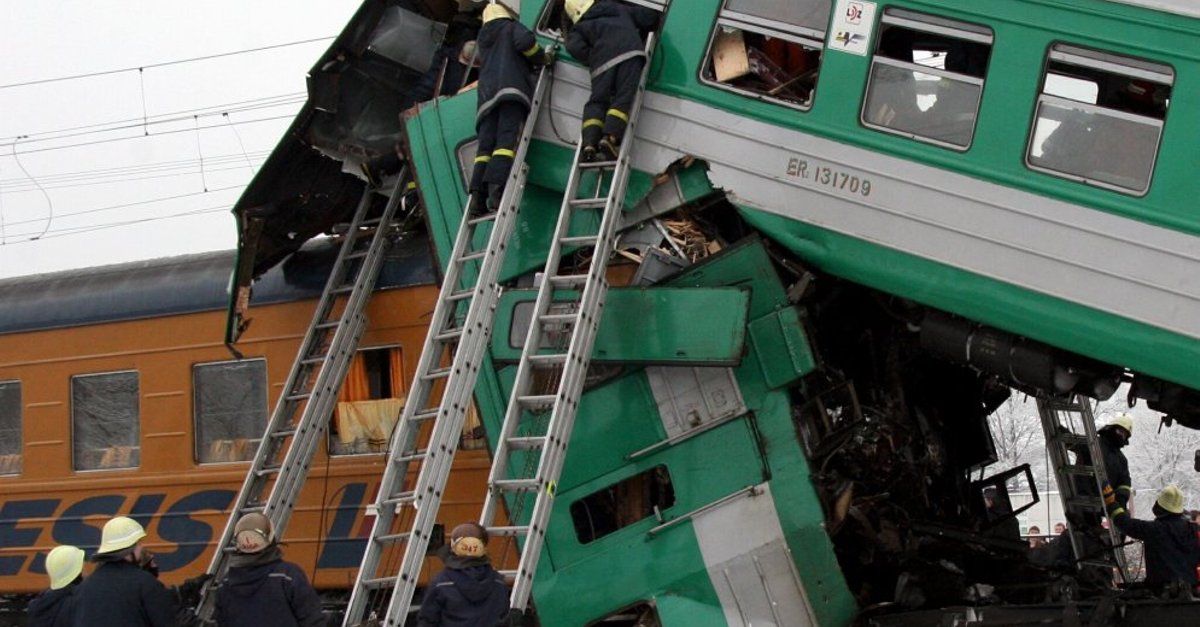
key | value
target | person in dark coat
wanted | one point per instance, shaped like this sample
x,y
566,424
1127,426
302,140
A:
x,y
508,52
1171,547
468,592
119,591
607,37
56,607
262,590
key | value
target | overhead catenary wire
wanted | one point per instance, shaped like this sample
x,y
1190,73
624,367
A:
x,y
130,173
159,134
62,232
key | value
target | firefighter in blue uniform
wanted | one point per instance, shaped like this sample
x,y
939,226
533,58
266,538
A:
x,y
1169,541
509,53
607,37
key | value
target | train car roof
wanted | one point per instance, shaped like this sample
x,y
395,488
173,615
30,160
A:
x,y
184,284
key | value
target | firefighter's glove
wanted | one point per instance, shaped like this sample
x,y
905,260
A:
x,y
189,591
1110,496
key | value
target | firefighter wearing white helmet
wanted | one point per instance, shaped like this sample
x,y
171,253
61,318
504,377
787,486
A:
x,y
607,37
120,591
508,54
1170,544
56,607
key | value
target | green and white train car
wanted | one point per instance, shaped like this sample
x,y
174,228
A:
x,y
922,206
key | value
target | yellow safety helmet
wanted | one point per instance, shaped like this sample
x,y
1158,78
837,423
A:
x,y
64,564
1123,420
495,11
576,8
120,533
1171,499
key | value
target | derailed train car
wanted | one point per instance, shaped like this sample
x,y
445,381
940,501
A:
x,y
855,229
118,397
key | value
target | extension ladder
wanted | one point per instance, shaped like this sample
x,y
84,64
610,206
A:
x,y
458,336
1070,428
302,412
567,313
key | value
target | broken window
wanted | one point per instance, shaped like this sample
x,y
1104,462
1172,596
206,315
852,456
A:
x,y
622,504
10,427
369,404
1100,118
927,78
104,421
229,406
769,49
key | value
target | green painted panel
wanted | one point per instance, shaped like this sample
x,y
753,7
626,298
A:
x,y
673,326
745,264
685,611
1067,325
782,348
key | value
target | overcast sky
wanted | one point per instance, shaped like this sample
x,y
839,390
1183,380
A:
x,y
57,191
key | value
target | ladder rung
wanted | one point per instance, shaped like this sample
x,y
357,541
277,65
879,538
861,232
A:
x,y
345,289
401,498
509,531
251,509
460,295
540,401
298,397
548,360
472,256
312,360
559,317
435,374
487,217
391,538
449,334
425,414
269,470
1086,471
329,325
517,485
379,583
282,433
598,165
588,203
569,280
579,240
358,254
413,456
527,442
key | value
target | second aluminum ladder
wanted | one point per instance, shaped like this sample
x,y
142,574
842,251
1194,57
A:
x,y
1071,430
302,412
453,352
558,348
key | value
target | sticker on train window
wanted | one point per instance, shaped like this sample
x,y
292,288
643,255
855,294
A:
x,y
851,27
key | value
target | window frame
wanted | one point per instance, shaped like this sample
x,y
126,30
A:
x,y
196,399
329,432
20,428
745,22
1112,63
936,25
138,419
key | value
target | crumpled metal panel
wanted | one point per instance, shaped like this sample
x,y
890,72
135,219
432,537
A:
x,y
690,399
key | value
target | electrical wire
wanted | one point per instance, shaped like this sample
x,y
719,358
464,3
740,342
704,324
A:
x,y
159,134
132,204
129,174
100,227
163,64
49,203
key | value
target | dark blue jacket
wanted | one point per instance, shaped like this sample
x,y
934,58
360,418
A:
x,y
273,593
508,52
467,593
1170,545
54,608
610,33
121,593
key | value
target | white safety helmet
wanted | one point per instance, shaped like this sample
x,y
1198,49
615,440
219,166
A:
x,y
120,533
1170,499
64,564
1123,420
496,11
576,8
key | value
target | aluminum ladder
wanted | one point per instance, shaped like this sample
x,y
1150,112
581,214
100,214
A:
x,y
453,351
1070,429
557,352
302,412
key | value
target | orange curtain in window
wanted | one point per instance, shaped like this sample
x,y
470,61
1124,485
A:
x,y
356,387
396,363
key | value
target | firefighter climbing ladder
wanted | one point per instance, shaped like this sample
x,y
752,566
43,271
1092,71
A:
x,y
458,335
1069,426
568,307
308,397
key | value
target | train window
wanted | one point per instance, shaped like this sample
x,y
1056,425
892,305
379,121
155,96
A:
x,y
105,428
622,504
371,399
10,427
552,21
927,78
768,49
1099,118
229,407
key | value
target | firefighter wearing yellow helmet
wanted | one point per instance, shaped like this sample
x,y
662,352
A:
x,y
1114,436
56,607
607,37
509,53
120,591
1169,541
